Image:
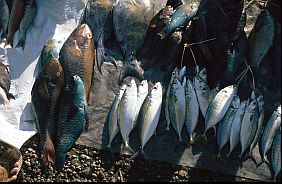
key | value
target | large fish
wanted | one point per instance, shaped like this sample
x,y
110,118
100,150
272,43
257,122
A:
x,y
77,58
149,114
219,106
249,126
236,127
69,131
276,155
44,96
113,116
272,125
224,126
192,109
4,18
27,21
180,18
126,115
142,92
177,106
261,39
5,84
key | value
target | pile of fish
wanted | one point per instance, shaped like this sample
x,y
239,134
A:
x,y
135,106
16,15
60,94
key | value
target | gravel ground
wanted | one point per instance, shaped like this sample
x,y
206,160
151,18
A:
x,y
89,164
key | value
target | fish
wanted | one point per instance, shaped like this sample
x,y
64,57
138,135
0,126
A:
x,y
69,131
236,127
26,22
260,39
203,74
260,124
113,117
5,84
180,18
240,27
224,126
276,155
177,107
45,93
203,92
192,109
272,125
219,106
126,115
77,57
249,126
49,51
4,18
150,114
142,92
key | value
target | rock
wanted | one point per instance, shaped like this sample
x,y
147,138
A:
x,y
182,173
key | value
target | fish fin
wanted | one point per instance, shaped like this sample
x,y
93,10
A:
x,y
21,44
10,96
144,154
134,155
126,150
60,161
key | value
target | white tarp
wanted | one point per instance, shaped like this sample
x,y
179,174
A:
x,y
54,19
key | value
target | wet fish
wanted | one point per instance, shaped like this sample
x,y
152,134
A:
x,y
126,115
261,39
224,126
142,92
113,117
272,125
4,18
149,114
5,84
69,131
203,92
26,22
276,155
249,126
177,107
236,127
44,97
219,106
192,109
180,18
49,51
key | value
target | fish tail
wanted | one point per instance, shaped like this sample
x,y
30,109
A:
x,y
167,126
21,44
144,154
10,96
109,146
134,155
60,161
127,150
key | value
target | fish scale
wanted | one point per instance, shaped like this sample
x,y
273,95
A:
x,y
4,18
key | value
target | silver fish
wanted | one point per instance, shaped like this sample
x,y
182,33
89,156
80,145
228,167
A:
x,y
113,117
203,92
150,113
249,126
224,126
142,92
271,127
276,155
219,106
192,109
236,127
126,114
177,107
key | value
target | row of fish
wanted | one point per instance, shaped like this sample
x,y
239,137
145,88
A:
x,y
16,15
135,105
60,94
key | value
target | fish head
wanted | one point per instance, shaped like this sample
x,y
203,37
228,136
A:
x,y
203,74
53,70
189,87
174,73
260,102
199,83
176,85
121,91
84,31
132,68
235,102
143,87
156,91
79,90
252,106
229,90
243,106
131,88
182,72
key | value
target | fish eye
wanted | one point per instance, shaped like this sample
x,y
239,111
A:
x,y
155,87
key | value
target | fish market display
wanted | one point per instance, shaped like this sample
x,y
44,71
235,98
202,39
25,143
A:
x,y
4,18
5,84
113,116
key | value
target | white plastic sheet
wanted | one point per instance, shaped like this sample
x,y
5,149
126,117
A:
x,y
54,19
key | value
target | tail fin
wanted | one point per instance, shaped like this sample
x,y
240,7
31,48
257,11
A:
x,y
60,161
11,96
126,150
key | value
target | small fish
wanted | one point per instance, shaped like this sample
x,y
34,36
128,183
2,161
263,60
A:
x,y
192,109
177,107
5,84
113,117
219,106
142,92
69,131
249,126
272,125
4,18
126,115
180,18
236,127
26,22
224,126
276,155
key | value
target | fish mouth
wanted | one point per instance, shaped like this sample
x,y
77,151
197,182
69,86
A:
x,y
84,31
132,69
